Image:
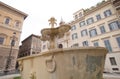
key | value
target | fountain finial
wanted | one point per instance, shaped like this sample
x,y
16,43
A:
x,y
52,21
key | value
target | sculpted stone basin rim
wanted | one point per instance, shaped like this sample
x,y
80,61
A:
x,y
70,63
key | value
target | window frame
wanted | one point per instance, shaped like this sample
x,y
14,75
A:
x,y
90,20
92,34
80,14
7,20
108,45
102,29
96,43
73,27
74,36
107,13
114,25
118,41
82,23
2,40
85,43
17,25
113,61
98,17
76,16
84,33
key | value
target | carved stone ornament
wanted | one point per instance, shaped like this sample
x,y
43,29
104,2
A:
x,y
50,64
21,66
33,75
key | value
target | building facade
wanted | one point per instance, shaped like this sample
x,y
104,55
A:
x,y
11,21
31,45
98,26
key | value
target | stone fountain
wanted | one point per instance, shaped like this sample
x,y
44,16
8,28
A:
x,y
65,63
51,33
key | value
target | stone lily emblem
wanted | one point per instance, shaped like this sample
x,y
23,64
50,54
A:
x,y
50,64
21,66
33,75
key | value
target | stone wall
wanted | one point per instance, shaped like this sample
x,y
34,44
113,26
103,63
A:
x,y
71,63
4,53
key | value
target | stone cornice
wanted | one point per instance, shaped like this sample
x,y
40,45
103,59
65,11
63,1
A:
x,y
91,11
32,35
65,50
11,8
97,7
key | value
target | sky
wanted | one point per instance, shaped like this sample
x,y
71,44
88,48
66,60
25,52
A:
x,y
40,11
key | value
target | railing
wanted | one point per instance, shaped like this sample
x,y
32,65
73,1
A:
x,y
2,73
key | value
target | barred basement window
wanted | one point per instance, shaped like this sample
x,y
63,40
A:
x,y
113,61
115,69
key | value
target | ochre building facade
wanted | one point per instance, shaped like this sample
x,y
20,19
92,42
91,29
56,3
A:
x,y
11,21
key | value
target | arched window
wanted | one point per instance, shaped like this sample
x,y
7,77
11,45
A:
x,y
60,46
2,38
17,24
7,20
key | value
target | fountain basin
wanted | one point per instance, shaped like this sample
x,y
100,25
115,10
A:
x,y
69,63
50,33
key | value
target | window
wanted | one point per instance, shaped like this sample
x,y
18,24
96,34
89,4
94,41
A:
x,y
74,36
90,20
33,52
108,45
98,17
82,23
75,45
113,61
17,23
107,13
115,69
84,32
60,46
76,17
44,46
118,41
114,25
85,43
1,40
80,14
93,32
102,29
73,28
7,20
96,44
